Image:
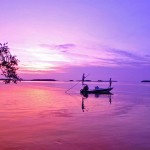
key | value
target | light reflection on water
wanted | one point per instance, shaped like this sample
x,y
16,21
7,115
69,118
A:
x,y
40,115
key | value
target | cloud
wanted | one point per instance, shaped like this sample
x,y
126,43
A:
x,y
61,47
83,56
122,57
53,57
65,46
147,56
124,53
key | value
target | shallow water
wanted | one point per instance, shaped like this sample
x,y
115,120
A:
x,y
41,116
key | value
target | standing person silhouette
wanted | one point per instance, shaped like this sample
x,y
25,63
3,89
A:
x,y
83,77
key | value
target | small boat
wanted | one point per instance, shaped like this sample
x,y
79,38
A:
x,y
85,90
97,90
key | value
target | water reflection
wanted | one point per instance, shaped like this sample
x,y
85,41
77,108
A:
x,y
86,96
42,116
106,95
83,106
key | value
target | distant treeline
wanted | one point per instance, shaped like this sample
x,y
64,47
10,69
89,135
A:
x,y
35,79
43,80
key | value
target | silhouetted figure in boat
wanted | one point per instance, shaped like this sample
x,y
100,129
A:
x,y
84,91
86,88
97,88
83,78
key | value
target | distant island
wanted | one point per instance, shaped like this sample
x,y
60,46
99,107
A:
x,y
43,80
145,81
34,79
84,80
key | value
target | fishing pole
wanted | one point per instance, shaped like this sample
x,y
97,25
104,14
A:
x,y
75,84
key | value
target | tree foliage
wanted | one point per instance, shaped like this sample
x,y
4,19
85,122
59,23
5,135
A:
x,y
8,64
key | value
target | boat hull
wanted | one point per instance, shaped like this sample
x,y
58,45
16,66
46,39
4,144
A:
x,y
97,91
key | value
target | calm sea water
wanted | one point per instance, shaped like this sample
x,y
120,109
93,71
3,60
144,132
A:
x,y
41,116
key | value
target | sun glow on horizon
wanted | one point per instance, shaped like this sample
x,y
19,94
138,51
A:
x,y
38,66
41,59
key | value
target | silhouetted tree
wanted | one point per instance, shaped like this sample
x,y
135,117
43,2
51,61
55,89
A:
x,y
8,64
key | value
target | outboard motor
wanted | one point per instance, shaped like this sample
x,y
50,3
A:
x,y
85,89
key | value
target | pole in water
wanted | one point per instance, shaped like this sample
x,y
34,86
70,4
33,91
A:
x,y
110,82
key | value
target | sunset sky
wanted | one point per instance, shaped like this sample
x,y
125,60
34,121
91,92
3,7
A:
x,y
62,39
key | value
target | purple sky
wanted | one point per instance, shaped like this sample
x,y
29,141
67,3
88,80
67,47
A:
x,y
61,39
